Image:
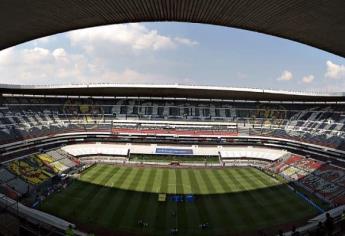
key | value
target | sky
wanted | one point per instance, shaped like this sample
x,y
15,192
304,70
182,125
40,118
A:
x,y
172,53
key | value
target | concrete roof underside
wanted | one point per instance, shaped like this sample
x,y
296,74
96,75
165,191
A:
x,y
319,23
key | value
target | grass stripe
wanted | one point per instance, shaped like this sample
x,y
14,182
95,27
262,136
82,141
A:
x,y
76,187
130,202
228,199
182,214
161,220
106,215
244,213
73,206
145,205
204,213
232,200
261,198
220,212
101,199
285,210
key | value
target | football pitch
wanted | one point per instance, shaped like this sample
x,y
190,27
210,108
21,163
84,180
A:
x,y
233,201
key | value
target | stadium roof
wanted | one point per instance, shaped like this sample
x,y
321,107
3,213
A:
x,y
173,91
319,23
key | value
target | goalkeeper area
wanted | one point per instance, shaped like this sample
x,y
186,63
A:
x,y
121,200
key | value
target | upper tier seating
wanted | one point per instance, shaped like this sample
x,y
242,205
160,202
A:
x,y
29,117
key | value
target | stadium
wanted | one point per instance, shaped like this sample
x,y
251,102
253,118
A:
x,y
124,159
193,157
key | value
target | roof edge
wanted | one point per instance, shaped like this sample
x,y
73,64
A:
x,y
168,86
175,91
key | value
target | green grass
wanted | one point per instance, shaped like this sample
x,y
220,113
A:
x,y
231,200
170,158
